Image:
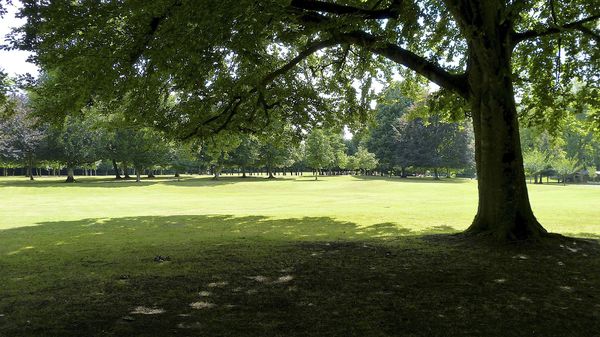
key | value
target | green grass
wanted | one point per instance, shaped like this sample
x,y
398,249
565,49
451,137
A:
x,y
415,204
343,256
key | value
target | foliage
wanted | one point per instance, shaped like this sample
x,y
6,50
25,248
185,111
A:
x,y
217,148
21,136
338,149
565,166
319,153
246,155
77,141
535,162
383,137
276,146
431,144
364,160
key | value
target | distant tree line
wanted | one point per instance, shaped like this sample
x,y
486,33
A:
x,y
396,142
569,152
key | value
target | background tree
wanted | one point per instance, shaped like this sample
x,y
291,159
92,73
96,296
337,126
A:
x,y
246,155
338,150
365,160
76,143
383,140
181,157
217,149
535,162
565,166
275,149
148,148
21,135
319,153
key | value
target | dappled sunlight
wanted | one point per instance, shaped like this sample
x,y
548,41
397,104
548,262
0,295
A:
x,y
224,269
141,310
202,305
20,250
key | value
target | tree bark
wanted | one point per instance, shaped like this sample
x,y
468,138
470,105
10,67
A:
x,y
70,175
504,210
270,173
116,168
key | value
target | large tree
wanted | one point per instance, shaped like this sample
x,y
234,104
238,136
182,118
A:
x,y
238,64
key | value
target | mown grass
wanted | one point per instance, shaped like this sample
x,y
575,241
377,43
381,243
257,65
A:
x,y
339,257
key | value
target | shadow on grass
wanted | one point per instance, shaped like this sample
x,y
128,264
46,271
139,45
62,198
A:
x,y
425,180
111,182
258,276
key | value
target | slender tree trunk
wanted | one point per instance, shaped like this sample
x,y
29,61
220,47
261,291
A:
x,y
31,168
138,175
504,210
436,176
217,172
116,168
70,175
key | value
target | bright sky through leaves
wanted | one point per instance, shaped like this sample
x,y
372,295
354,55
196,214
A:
x,y
14,62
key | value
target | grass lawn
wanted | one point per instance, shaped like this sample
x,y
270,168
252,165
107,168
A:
x,y
342,256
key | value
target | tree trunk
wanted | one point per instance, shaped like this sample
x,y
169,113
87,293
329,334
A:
x,y
126,171
116,168
504,210
70,175
270,173
138,175
30,170
217,172
436,176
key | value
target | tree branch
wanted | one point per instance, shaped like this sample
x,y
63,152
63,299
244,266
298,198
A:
x,y
309,50
422,66
575,25
232,108
392,12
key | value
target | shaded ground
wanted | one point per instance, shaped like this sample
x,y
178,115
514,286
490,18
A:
x,y
256,276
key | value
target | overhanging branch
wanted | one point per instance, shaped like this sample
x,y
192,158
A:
x,y
327,7
397,54
575,25
232,108
309,50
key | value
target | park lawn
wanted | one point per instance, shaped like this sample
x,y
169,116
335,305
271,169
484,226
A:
x,y
412,204
342,256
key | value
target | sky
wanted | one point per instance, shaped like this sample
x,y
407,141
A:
x,y
14,62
